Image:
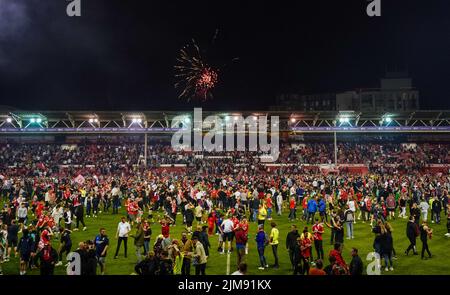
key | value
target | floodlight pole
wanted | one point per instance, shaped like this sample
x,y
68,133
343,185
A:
x,y
335,150
145,149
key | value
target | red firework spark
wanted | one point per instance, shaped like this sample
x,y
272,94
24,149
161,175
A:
x,y
194,75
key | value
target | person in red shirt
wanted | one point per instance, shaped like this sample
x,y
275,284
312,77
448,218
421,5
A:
x,y
269,206
305,248
241,242
292,209
39,209
317,270
244,226
132,210
305,208
165,227
337,254
211,223
318,231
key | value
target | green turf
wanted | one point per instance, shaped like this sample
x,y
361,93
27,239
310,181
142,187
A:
x,y
413,265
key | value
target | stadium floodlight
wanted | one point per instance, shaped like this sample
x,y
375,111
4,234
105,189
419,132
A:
x,y
388,120
91,120
187,120
33,120
255,118
95,120
9,120
344,120
235,118
38,120
293,120
227,118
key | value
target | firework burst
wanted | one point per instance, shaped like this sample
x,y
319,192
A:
x,y
195,76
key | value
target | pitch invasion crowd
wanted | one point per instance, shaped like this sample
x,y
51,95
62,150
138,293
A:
x,y
43,204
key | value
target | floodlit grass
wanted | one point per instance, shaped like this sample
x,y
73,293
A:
x,y
406,265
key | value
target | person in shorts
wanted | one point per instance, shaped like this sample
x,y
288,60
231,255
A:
x,y
13,231
227,230
101,247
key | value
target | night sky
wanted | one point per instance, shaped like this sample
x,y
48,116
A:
x,y
120,53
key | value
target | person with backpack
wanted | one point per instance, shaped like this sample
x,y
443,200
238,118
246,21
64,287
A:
x,y
261,243
412,233
390,205
47,258
349,217
25,248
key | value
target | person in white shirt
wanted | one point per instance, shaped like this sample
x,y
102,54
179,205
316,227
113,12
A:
x,y
352,206
123,229
22,213
227,229
57,214
279,203
424,206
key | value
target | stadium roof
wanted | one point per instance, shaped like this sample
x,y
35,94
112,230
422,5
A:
x,y
17,121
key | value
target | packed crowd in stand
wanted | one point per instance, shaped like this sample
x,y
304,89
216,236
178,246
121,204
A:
x,y
112,155
48,190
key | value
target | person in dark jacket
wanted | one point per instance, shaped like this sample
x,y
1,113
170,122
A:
x,y
291,243
25,247
148,266
411,233
165,264
356,265
436,207
386,247
415,211
90,260
203,238
139,241
425,233
47,258
261,242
